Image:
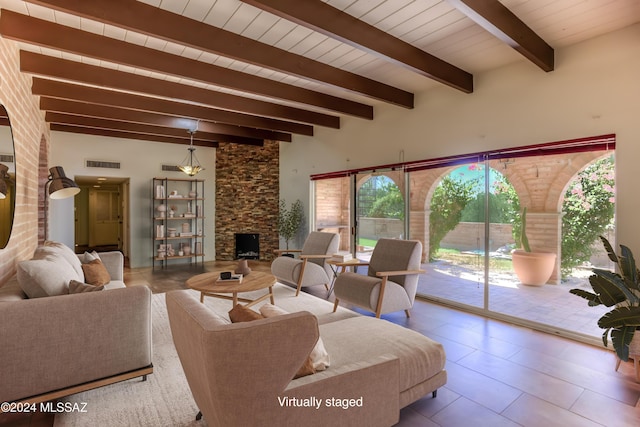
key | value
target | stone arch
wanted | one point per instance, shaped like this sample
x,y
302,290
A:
x,y
397,176
579,163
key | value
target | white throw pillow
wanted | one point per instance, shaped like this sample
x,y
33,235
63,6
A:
x,y
319,355
87,257
65,253
44,277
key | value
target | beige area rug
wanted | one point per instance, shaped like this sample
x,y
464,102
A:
x,y
164,399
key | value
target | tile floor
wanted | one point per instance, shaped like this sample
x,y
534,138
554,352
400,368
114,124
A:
x,y
551,305
498,374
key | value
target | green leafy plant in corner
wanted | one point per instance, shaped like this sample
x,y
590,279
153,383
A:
x,y
289,220
620,290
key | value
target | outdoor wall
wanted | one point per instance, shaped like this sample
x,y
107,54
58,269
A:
x,y
593,91
372,228
140,161
29,132
469,236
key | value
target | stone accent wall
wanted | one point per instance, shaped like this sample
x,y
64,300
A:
x,y
30,132
247,196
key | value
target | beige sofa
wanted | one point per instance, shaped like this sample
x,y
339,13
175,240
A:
x,y
53,346
241,373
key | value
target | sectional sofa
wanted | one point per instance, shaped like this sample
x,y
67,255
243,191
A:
x,y
241,373
60,344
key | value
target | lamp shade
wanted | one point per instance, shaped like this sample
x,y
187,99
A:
x,y
60,186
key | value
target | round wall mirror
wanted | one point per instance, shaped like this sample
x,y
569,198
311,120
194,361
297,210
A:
x,y
7,178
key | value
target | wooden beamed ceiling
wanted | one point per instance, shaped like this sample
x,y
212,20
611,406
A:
x,y
160,95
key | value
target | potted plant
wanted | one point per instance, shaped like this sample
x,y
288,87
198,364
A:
x,y
532,268
620,290
289,220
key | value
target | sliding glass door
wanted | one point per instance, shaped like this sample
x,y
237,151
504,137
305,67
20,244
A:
x,y
447,214
379,208
469,213
332,209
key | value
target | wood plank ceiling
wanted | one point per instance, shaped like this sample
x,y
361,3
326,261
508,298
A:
x,y
243,71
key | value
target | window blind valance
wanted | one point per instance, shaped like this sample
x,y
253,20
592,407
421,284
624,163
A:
x,y
593,143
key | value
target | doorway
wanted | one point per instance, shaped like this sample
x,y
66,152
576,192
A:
x,y
101,214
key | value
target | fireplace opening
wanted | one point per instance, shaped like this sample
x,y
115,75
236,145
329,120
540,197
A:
x,y
247,246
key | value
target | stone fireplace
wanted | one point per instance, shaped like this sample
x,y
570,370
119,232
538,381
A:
x,y
247,195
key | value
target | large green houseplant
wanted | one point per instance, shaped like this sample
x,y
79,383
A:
x,y
620,290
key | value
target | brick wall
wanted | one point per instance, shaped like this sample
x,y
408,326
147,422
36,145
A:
x,y
247,195
30,133
468,236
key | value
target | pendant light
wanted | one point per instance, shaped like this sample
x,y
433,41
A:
x,y
190,165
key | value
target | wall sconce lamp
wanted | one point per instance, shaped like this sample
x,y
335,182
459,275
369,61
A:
x,y
58,186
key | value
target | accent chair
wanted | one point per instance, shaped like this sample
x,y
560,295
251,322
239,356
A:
x,y
391,281
311,268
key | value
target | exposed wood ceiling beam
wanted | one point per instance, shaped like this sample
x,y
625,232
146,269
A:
x,y
153,21
135,116
332,22
39,32
495,18
58,89
118,134
199,138
49,66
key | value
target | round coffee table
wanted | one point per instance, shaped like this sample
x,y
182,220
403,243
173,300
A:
x,y
208,285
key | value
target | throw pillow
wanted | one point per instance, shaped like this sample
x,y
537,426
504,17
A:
x,y
76,287
319,356
87,257
54,254
240,313
67,254
95,273
44,277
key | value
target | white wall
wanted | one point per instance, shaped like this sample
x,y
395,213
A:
x,y
140,161
594,90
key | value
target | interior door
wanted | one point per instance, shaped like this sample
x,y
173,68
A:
x,y
104,217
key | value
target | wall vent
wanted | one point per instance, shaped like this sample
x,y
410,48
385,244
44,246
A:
x,y
6,158
170,168
99,164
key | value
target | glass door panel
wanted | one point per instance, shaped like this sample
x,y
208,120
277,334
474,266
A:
x,y
570,201
333,209
447,215
380,209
